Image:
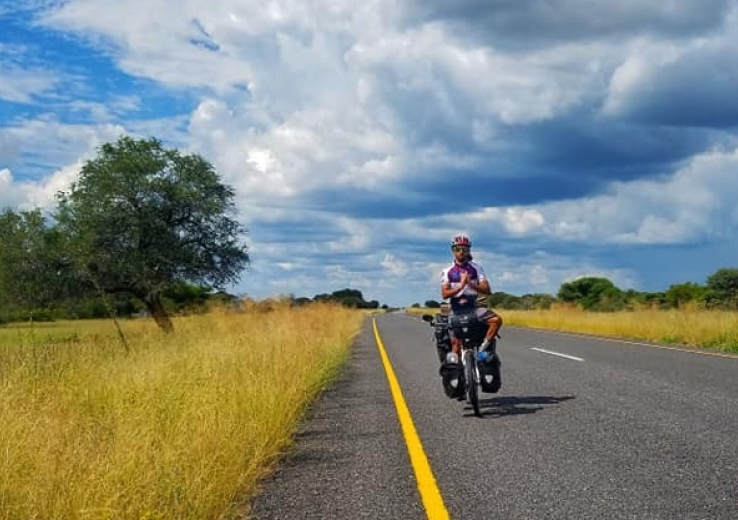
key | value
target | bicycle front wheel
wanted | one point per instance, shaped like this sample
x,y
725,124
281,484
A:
x,y
472,382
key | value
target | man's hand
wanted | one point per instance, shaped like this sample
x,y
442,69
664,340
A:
x,y
464,279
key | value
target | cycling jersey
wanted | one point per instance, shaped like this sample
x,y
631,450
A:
x,y
467,299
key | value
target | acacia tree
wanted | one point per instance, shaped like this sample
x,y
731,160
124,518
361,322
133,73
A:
x,y
592,293
143,218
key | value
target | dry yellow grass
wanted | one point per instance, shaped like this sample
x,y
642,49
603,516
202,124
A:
x,y
714,329
182,427
420,310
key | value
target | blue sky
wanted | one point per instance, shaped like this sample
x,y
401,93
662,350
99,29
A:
x,y
568,138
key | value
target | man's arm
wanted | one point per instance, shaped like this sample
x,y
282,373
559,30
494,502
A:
x,y
448,291
482,286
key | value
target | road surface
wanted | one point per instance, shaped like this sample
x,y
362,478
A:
x,y
583,428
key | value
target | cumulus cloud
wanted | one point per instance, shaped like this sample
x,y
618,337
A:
x,y
28,195
359,138
695,203
394,267
45,143
523,24
20,85
686,84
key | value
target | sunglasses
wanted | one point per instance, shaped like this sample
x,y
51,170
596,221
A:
x,y
456,249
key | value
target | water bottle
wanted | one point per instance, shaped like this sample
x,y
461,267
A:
x,y
482,356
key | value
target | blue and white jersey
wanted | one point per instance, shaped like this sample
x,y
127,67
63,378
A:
x,y
467,299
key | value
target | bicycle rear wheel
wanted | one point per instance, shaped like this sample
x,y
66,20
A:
x,y
472,383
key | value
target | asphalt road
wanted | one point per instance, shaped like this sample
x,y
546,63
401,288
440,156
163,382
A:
x,y
614,430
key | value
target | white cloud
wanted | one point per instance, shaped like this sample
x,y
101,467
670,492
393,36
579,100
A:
x,y
394,267
541,271
7,197
21,85
306,150
296,98
639,73
515,220
22,81
307,95
53,143
459,77
695,202
658,77
27,195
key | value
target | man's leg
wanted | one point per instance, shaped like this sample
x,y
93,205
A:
x,y
456,346
494,322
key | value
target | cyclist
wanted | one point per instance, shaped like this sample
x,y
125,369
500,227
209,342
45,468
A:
x,y
463,283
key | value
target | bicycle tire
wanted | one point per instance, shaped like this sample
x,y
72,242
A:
x,y
472,384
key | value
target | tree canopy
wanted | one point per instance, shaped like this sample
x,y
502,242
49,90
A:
x,y
34,271
143,218
592,293
722,288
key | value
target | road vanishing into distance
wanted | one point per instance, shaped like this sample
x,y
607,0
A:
x,y
583,428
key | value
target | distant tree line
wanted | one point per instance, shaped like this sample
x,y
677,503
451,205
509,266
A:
x,y
347,297
182,298
720,291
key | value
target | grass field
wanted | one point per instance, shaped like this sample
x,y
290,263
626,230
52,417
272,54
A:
x,y
713,329
181,427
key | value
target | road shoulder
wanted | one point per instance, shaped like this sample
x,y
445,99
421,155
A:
x,y
349,458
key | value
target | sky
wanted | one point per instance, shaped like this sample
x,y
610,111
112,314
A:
x,y
567,138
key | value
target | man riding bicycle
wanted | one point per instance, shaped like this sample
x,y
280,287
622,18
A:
x,y
463,283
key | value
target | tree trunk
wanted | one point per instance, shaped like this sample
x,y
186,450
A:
x,y
157,311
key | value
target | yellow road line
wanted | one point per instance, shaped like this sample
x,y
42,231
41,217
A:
x,y
435,509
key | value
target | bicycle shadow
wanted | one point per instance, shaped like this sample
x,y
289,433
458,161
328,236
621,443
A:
x,y
508,405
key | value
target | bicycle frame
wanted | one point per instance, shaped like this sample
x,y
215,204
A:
x,y
470,331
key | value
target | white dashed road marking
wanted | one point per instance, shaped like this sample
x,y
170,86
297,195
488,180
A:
x,y
567,356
